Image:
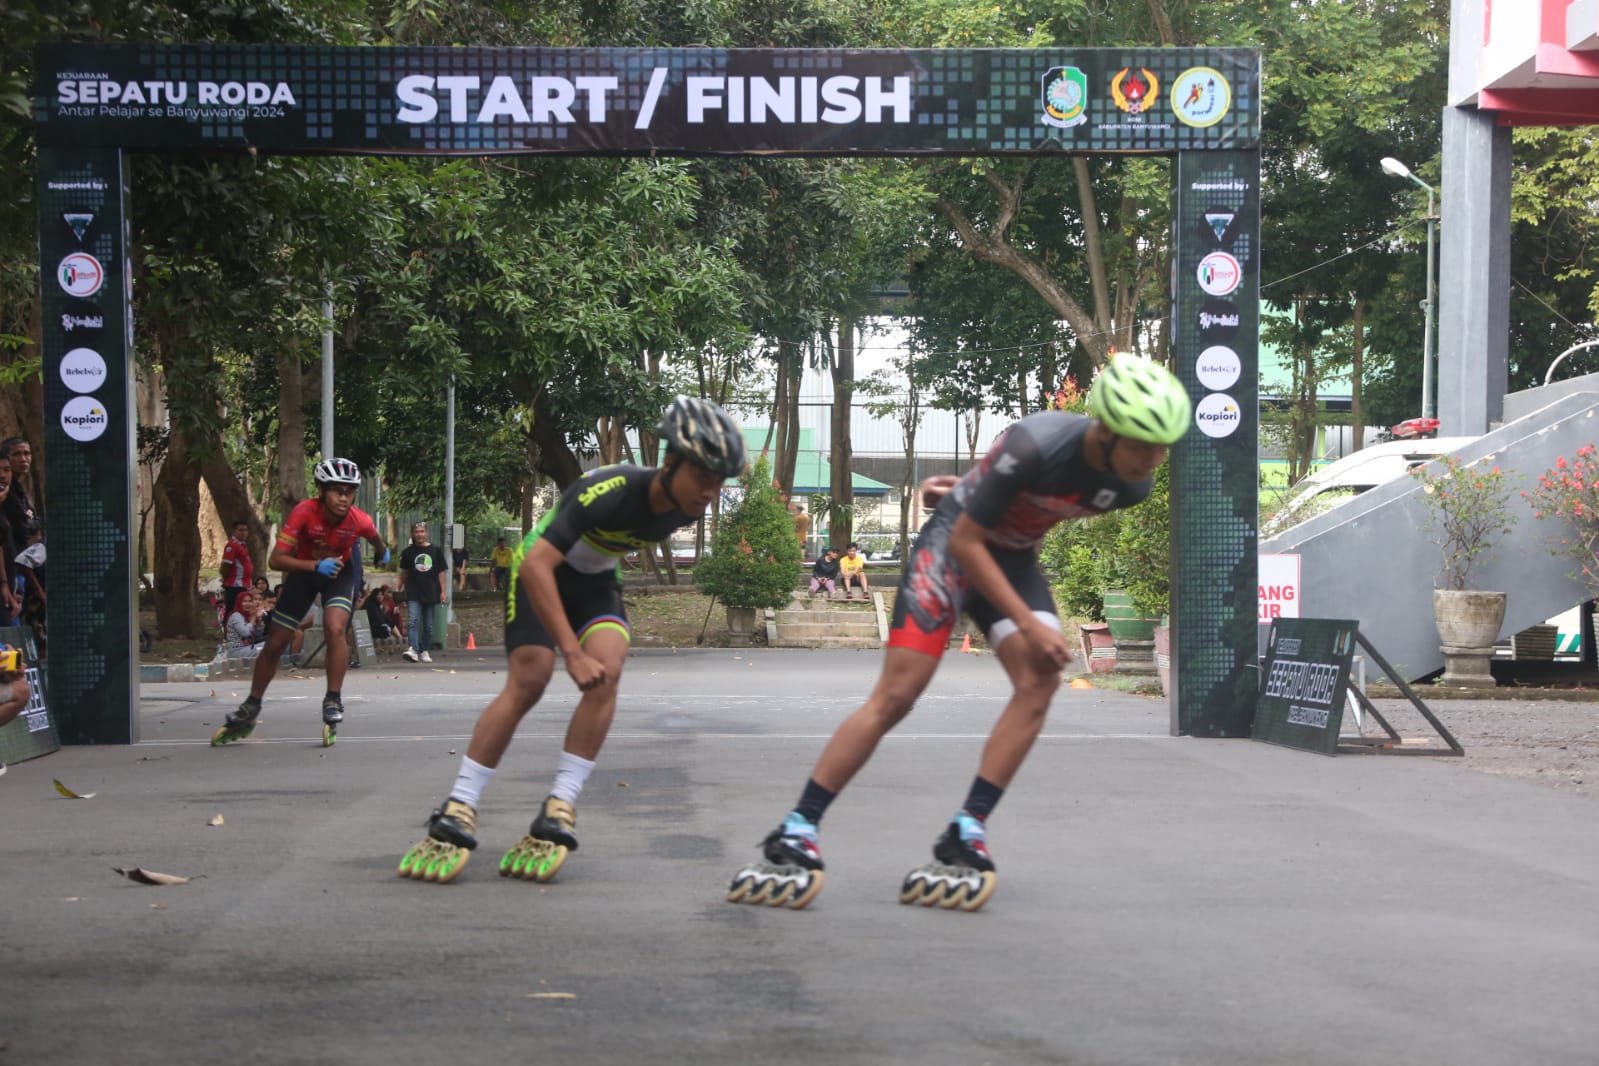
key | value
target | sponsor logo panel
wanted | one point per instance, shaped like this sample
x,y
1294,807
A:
x,y
1219,274
1218,368
83,418
1218,415
80,274
1065,97
83,370
1201,97
1134,91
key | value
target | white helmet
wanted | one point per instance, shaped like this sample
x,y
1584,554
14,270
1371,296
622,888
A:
x,y
336,472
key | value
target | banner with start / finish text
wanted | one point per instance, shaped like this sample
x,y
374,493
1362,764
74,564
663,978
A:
x,y
476,101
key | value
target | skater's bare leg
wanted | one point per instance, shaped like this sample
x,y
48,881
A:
x,y
266,663
527,675
586,732
905,675
1033,684
336,631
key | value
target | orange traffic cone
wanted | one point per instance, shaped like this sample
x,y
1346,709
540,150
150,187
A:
x,y
471,641
966,644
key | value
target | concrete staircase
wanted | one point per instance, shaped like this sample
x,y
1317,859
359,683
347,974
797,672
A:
x,y
813,622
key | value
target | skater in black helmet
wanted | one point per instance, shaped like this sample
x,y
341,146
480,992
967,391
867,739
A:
x,y
977,554
313,550
565,596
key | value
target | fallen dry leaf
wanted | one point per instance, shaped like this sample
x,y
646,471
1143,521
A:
x,y
216,819
151,877
67,792
158,906
552,995
621,784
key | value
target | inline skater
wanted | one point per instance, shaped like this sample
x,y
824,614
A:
x,y
313,551
565,595
978,554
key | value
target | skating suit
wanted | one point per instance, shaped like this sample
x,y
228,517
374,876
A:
x,y
307,534
601,517
1033,478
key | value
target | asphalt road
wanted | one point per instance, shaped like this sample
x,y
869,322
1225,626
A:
x,y
1161,900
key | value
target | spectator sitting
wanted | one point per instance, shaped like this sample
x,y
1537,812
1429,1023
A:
x,y
269,604
31,565
376,620
246,629
458,561
853,567
500,566
391,612
825,573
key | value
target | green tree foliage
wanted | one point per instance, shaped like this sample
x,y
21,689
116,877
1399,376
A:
x,y
755,556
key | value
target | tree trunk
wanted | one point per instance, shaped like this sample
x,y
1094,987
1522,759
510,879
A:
x,y
788,458
291,431
231,499
556,458
177,530
776,434
1357,362
841,482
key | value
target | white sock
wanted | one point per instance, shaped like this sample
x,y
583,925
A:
x,y
570,776
471,781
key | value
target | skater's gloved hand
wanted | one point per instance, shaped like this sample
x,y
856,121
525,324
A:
x,y
1048,644
586,671
935,488
384,561
327,567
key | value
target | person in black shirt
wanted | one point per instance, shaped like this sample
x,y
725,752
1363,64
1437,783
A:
x,y
427,584
565,595
977,555
824,574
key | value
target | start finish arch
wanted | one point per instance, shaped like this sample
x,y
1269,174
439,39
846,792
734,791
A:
x,y
93,103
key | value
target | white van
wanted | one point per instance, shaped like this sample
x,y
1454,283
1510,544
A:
x,y
1356,473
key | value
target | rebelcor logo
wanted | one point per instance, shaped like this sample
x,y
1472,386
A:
x,y
1219,274
1218,368
83,418
1217,415
1201,97
80,274
82,370
1065,97
1135,91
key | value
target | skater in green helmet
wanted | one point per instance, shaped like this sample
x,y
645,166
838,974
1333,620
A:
x,y
564,596
977,555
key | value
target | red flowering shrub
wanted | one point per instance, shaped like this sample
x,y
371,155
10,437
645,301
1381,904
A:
x,y
1568,494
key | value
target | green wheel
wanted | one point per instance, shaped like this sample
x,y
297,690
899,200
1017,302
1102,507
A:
x,y
411,861
329,735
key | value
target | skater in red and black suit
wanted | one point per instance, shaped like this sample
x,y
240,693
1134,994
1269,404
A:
x,y
313,551
977,554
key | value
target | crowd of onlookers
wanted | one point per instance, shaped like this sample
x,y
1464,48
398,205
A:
x,y
22,552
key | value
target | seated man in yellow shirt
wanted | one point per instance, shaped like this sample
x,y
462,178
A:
x,y
852,567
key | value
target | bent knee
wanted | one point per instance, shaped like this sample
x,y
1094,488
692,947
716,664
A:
x,y
1038,687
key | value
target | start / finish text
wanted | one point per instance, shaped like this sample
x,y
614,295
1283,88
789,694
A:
x,y
836,100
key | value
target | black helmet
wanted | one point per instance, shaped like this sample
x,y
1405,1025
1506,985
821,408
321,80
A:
x,y
705,435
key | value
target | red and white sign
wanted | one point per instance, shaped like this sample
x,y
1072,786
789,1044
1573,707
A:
x,y
1279,587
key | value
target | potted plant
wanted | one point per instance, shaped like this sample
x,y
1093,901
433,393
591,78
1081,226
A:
x,y
755,557
1468,510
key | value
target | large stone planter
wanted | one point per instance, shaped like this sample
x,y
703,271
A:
x,y
740,626
1133,633
1468,624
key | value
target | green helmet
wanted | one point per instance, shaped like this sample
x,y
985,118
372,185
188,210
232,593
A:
x,y
1136,398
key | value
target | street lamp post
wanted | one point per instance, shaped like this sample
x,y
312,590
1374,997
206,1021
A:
x,y
1390,165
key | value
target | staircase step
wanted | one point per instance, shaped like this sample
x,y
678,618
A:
x,y
818,630
842,617
828,642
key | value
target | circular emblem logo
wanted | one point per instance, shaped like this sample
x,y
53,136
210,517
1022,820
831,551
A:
x,y
423,563
80,274
82,370
1219,274
83,418
1218,367
1201,97
1217,415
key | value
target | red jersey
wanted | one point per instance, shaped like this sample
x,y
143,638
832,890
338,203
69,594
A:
x,y
237,567
307,535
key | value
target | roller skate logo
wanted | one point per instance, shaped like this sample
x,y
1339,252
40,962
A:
x,y
540,855
792,873
961,874
443,853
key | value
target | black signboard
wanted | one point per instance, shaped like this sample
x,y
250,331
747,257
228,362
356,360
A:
x,y
1303,683
598,101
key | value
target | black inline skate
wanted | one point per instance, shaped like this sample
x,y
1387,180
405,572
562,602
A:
x,y
332,715
442,854
238,725
961,873
792,873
